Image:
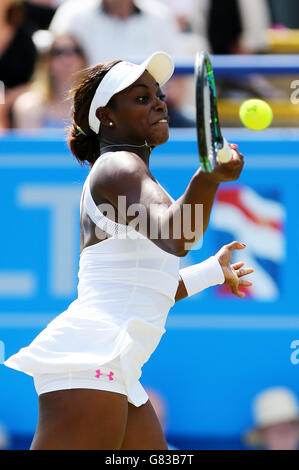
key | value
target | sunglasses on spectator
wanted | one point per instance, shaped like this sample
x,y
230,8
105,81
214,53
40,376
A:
x,y
66,51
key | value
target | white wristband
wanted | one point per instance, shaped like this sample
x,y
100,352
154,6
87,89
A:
x,y
202,275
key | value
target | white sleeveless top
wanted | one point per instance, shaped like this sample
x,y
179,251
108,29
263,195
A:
x,y
126,287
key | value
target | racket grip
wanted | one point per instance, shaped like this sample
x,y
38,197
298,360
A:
x,y
225,154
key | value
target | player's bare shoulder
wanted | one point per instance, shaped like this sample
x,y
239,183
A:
x,y
118,173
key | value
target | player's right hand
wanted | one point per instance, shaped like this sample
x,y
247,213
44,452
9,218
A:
x,y
229,171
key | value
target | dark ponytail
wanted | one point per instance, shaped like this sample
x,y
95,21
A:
x,y
84,143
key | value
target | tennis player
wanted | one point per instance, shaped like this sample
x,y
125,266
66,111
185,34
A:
x,y
87,362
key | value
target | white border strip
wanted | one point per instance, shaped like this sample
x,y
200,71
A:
x,y
281,162
37,161
14,283
25,320
174,322
176,134
241,134
232,322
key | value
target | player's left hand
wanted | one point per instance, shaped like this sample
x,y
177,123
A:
x,y
233,273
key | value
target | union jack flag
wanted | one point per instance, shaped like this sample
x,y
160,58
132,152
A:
x,y
256,218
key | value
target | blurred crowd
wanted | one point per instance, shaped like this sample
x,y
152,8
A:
x,y
275,419
44,44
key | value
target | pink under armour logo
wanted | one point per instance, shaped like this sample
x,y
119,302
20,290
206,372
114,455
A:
x,y
99,374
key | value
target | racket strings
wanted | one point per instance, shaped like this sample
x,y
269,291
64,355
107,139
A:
x,y
208,124
215,123
212,151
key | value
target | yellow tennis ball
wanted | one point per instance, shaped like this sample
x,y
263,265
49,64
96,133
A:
x,y
256,114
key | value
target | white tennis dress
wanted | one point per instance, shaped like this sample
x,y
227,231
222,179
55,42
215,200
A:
x,y
127,285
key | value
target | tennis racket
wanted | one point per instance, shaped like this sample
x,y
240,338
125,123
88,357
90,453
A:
x,y
211,145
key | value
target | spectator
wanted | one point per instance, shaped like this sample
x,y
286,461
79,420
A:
x,y
276,417
124,29
248,23
247,34
46,104
182,11
285,13
17,55
39,14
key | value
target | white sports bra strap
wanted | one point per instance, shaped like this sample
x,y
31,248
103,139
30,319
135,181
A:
x,y
99,219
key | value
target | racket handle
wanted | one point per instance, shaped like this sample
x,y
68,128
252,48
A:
x,y
225,154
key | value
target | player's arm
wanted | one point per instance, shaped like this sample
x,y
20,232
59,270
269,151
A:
x,y
202,190
125,174
126,183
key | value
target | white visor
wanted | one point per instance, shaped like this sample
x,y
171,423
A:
x,y
124,74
